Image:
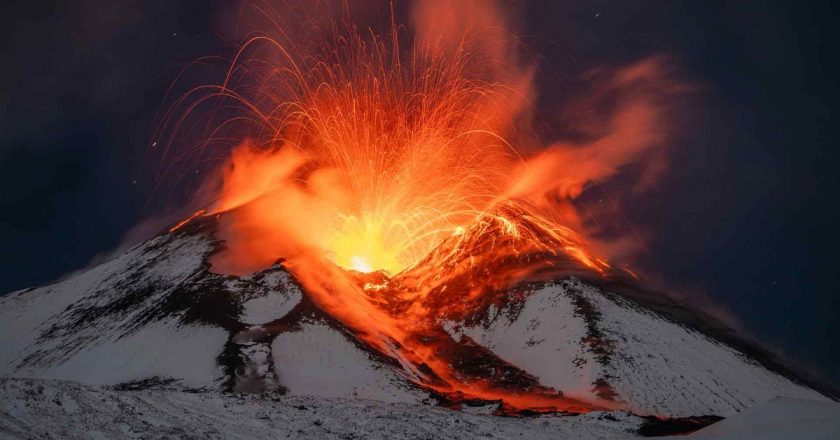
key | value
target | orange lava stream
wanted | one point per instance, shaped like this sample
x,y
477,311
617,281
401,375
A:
x,y
182,223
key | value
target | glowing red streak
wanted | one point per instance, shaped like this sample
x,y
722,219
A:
x,y
187,220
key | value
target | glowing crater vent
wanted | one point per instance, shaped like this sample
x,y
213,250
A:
x,y
359,264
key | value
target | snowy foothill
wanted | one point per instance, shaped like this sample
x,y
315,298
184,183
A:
x,y
781,418
33,409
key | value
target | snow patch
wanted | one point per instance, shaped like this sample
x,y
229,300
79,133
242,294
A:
x,y
274,305
318,360
664,368
161,349
544,339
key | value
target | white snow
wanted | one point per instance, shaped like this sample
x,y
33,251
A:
x,y
544,340
656,367
22,313
100,352
274,305
781,418
163,349
34,409
665,368
320,361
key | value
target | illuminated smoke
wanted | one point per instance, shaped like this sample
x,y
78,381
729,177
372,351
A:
x,y
409,155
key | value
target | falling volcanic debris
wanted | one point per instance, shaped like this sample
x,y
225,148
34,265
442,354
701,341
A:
x,y
398,179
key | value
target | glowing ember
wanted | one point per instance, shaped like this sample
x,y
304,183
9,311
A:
x,y
401,187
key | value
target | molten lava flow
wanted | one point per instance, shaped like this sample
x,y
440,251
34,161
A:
x,y
405,187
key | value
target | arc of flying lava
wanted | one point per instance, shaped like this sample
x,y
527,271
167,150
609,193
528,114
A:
x,y
362,152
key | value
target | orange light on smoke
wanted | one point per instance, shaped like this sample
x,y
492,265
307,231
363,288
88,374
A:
x,y
419,162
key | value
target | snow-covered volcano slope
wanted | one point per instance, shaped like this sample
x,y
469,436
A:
x,y
578,338
157,315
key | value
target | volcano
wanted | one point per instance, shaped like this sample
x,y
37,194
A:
x,y
576,340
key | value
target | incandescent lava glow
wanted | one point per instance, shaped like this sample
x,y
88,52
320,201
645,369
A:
x,y
359,264
399,177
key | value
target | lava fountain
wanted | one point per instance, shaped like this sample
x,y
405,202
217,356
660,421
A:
x,y
397,176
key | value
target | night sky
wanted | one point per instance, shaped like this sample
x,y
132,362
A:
x,y
745,218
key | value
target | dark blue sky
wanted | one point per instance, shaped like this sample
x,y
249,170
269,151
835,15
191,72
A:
x,y
746,217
